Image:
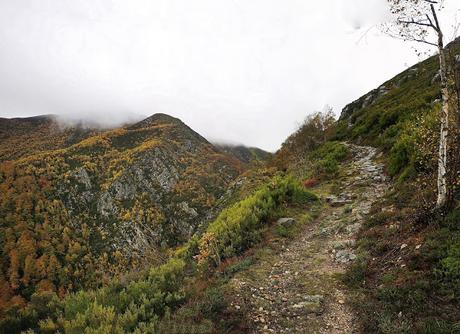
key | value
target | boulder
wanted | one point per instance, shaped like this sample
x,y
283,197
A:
x,y
286,222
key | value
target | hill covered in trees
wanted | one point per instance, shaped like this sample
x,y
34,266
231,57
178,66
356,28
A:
x,y
79,206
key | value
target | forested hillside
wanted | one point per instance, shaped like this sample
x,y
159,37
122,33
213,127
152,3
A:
x,y
73,215
20,137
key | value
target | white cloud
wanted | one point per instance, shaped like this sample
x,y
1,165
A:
x,y
243,71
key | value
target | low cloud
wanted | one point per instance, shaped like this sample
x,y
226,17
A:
x,y
240,71
98,120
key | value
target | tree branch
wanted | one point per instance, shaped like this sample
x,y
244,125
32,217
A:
x,y
419,23
422,41
438,27
429,20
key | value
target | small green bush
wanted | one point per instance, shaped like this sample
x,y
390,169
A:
x,y
450,265
239,227
131,308
328,156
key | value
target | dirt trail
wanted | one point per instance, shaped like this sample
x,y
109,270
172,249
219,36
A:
x,y
298,290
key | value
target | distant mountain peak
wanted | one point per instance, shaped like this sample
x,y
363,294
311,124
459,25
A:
x,y
243,153
155,119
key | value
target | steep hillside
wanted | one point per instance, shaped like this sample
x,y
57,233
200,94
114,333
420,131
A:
x,y
72,215
245,154
406,278
400,116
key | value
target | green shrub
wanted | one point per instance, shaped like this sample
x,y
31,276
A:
x,y
130,308
400,155
356,273
328,156
239,227
450,265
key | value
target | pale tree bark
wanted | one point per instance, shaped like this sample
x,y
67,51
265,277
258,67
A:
x,y
444,135
415,18
444,118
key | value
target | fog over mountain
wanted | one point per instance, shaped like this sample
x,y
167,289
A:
x,y
235,71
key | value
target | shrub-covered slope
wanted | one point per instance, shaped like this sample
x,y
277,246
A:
x,y
168,297
75,215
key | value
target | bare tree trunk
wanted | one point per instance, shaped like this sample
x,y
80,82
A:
x,y
444,117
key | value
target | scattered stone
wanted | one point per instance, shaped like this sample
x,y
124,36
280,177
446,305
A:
x,y
418,246
286,222
351,229
343,244
403,246
312,304
338,201
390,208
378,178
344,256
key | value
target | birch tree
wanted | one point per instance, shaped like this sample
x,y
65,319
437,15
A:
x,y
418,21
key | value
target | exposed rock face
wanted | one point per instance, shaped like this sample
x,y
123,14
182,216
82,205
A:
x,y
364,101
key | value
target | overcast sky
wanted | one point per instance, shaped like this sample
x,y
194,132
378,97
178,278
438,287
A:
x,y
244,71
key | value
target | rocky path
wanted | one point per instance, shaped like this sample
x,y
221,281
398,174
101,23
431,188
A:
x,y
298,290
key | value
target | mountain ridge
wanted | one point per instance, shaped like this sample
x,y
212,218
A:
x,y
117,197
